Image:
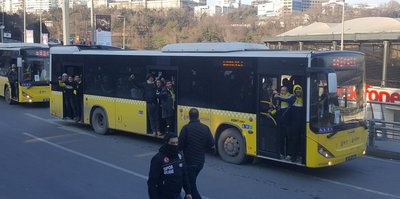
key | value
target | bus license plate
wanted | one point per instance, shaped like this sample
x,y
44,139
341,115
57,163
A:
x,y
46,99
352,157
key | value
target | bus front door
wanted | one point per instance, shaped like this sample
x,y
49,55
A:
x,y
267,128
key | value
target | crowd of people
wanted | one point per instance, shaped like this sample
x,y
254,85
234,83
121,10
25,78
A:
x,y
285,112
72,96
160,98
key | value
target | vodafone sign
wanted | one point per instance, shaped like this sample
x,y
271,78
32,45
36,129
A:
x,y
391,95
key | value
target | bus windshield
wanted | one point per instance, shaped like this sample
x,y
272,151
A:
x,y
36,68
345,108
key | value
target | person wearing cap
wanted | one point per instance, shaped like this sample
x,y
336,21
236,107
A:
x,y
167,175
13,80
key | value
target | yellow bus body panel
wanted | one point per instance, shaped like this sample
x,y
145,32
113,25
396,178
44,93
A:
x,y
35,93
245,122
344,146
131,116
3,83
56,104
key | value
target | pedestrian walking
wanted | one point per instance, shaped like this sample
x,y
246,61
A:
x,y
168,173
194,140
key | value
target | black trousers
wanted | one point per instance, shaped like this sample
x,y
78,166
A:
x,y
193,172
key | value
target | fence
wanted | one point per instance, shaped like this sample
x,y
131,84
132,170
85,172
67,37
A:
x,y
382,121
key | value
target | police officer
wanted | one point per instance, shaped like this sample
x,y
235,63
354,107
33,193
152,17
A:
x,y
167,173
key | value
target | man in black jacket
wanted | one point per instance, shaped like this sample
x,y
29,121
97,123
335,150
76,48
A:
x,y
167,173
194,140
13,80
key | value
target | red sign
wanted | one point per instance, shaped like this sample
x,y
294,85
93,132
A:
x,y
383,94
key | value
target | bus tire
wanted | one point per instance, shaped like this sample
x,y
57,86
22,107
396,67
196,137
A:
x,y
231,146
7,96
99,121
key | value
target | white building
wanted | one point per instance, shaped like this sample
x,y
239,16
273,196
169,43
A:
x,y
270,9
212,10
32,6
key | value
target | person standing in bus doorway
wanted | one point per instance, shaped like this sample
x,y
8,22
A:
x,y
284,101
68,87
149,93
78,98
13,80
168,172
195,139
161,121
296,137
167,97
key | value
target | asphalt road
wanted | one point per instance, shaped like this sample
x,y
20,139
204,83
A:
x,y
47,158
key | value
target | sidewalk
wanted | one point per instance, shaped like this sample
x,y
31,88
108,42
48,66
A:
x,y
389,149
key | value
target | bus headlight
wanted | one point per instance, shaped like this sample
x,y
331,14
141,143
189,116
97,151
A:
x,y
324,152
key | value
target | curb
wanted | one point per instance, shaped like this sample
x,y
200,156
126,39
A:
x,y
383,153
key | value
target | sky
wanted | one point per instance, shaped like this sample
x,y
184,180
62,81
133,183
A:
x,y
378,2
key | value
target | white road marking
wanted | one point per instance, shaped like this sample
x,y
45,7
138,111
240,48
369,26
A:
x,y
87,156
145,154
66,128
50,138
383,160
359,188
91,158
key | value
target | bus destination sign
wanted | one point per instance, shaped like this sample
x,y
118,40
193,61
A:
x,y
233,63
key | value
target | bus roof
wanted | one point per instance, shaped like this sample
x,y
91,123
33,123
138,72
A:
x,y
189,49
212,47
22,45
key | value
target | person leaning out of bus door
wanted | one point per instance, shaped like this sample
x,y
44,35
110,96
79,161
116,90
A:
x,y
149,93
284,101
13,80
297,133
168,100
68,86
78,94
168,174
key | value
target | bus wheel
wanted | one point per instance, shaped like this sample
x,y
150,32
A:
x,y
231,146
99,121
7,96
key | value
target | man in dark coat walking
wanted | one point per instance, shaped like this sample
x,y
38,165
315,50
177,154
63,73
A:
x,y
194,140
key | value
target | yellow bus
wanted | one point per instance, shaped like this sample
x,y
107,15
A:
x,y
32,65
227,82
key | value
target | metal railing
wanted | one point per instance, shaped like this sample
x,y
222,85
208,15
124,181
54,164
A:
x,y
380,121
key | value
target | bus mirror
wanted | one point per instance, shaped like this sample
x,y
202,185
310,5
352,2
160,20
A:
x,y
19,61
332,82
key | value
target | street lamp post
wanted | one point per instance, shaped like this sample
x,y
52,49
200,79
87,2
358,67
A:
x,y
24,21
2,24
342,3
123,32
40,27
342,35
